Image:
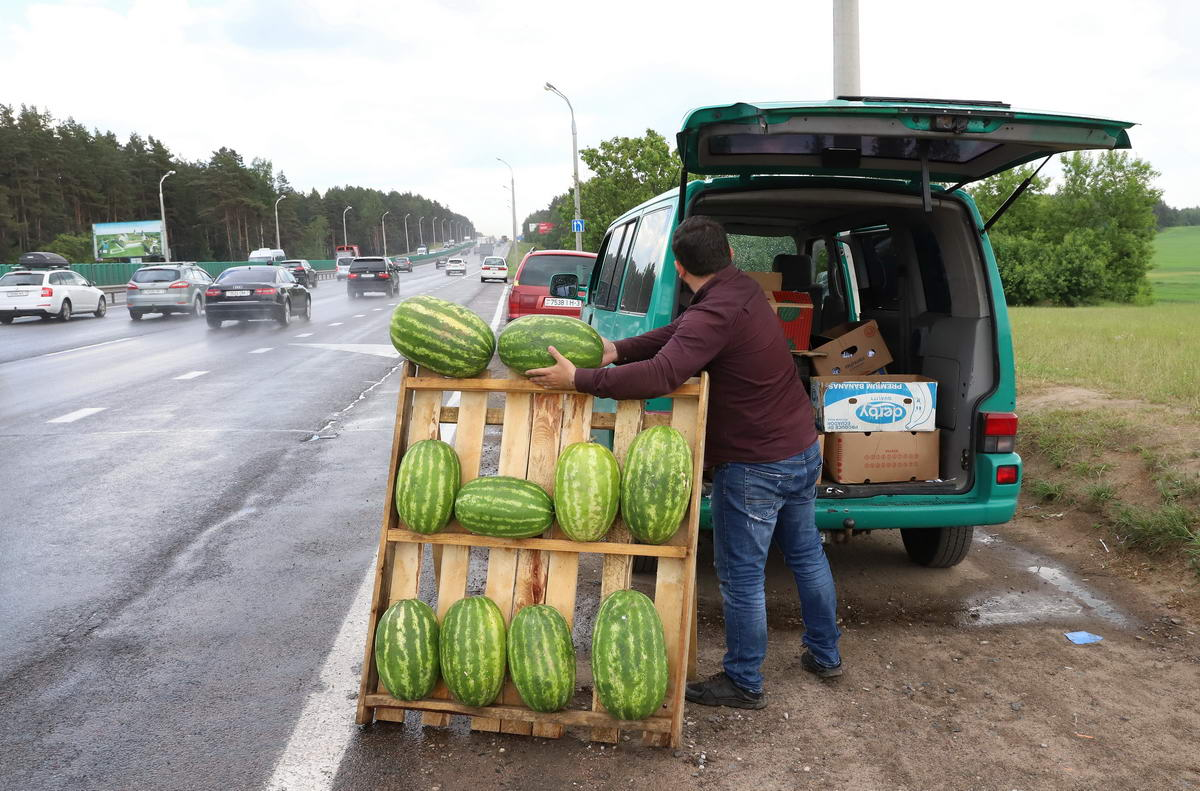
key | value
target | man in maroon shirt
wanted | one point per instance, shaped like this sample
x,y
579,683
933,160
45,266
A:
x,y
760,446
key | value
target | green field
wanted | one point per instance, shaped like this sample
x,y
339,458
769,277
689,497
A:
x,y
1176,272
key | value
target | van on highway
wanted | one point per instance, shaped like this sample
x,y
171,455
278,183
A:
x,y
859,203
267,255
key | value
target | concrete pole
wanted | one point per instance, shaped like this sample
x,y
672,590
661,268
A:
x,y
345,236
383,228
574,161
407,249
845,48
162,212
512,189
278,246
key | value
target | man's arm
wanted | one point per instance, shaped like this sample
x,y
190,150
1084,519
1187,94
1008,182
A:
x,y
644,346
696,338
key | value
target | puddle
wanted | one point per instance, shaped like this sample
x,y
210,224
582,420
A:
x,y
1063,597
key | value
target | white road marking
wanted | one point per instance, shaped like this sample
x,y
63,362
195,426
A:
x,y
376,349
262,350
81,348
358,315
71,417
192,375
376,308
337,324
304,335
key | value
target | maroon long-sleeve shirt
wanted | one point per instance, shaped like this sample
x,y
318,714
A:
x,y
758,410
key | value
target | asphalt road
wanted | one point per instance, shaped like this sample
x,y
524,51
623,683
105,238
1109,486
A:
x,y
187,515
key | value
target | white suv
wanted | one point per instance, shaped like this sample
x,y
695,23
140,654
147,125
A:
x,y
494,268
52,293
456,266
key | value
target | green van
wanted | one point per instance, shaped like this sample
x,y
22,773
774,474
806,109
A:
x,y
859,202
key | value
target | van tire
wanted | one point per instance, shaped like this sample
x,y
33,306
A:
x,y
937,547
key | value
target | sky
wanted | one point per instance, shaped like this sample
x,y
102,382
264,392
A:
x,y
423,96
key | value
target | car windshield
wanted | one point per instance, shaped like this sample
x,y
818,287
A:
x,y
22,279
251,275
155,275
539,269
368,266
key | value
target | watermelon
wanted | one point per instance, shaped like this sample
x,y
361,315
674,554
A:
x,y
656,484
587,490
406,649
472,650
504,507
442,336
426,484
629,656
541,657
523,342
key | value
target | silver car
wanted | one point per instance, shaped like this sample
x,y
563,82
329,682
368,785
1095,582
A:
x,y
167,289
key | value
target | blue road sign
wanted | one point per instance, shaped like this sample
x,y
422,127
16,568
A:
x,y
576,226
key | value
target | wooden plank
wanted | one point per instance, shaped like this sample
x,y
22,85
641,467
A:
x,y
689,388
562,574
609,547
520,713
605,421
502,558
616,570
452,581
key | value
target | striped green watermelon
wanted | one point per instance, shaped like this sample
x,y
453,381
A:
x,y
587,490
541,657
629,656
442,336
406,649
426,484
504,507
656,484
523,342
472,650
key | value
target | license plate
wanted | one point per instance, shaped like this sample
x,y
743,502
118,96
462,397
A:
x,y
367,277
237,293
154,291
555,302
17,293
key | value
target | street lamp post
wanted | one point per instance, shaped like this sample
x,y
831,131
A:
x,y
445,236
406,247
345,236
383,227
433,228
420,232
162,211
512,189
277,244
574,161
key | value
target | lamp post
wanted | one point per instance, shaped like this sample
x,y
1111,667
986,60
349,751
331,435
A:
x,y
162,211
345,236
445,236
574,161
277,244
512,189
406,247
433,226
383,228
420,232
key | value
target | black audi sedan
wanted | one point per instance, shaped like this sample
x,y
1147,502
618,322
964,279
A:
x,y
246,293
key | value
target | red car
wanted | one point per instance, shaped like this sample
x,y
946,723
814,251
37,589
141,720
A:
x,y
531,287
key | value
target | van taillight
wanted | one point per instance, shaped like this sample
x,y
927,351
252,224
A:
x,y
47,291
1007,474
999,432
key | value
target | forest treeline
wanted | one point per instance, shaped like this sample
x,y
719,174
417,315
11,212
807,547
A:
x,y
57,177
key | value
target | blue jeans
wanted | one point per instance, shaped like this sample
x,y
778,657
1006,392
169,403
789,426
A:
x,y
751,505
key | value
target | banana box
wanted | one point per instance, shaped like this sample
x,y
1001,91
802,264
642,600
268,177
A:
x,y
896,402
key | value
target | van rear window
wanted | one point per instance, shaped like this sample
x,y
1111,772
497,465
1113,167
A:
x,y
540,268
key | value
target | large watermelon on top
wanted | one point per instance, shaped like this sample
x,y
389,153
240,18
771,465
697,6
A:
x,y
406,649
523,342
629,656
656,484
426,484
472,650
504,507
587,490
442,336
541,657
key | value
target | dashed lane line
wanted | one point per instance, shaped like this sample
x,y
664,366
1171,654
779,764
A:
x,y
337,324
304,335
78,414
261,350
359,315
191,375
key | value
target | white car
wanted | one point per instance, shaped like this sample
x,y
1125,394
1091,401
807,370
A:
x,y
456,266
494,268
422,251
342,267
49,293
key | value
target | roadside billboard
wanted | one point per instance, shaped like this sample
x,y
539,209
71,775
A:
x,y
137,239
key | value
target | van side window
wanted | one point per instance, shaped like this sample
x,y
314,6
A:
x,y
933,271
881,291
608,284
644,256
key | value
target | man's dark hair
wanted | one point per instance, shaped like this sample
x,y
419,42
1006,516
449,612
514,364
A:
x,y
700,246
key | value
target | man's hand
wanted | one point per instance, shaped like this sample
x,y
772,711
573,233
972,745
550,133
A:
x,y
610,353
560,376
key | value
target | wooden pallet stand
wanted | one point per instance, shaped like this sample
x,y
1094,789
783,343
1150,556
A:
x,y
536,424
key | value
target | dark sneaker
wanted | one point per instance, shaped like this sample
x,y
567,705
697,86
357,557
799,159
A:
x,y
817,669
719,690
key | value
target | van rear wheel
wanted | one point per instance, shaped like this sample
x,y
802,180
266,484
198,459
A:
x,y
937,547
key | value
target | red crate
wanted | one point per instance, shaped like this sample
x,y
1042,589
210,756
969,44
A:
x,y
795,309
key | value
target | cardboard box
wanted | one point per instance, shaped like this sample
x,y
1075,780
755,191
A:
x,y
795,310
891,402
852,349
882,456
768,281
